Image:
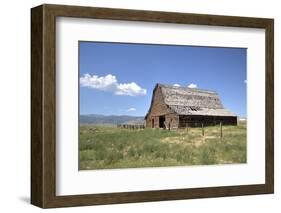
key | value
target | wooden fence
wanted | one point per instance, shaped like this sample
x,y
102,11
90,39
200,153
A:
x,y
131,126
188,126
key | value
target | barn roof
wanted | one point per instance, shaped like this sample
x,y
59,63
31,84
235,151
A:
x,y
189,101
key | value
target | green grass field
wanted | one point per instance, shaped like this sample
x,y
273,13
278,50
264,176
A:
x,y
105,147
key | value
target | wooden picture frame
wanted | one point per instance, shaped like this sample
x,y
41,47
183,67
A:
x,y
43,105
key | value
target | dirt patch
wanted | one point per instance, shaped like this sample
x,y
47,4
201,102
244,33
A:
x,y
176,140
188,140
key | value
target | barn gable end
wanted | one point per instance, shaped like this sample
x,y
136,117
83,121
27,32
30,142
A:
x,y
159,110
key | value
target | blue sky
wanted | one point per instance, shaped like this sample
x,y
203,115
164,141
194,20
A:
x,y
118,78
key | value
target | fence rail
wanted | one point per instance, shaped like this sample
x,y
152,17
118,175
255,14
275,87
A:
x,y
131,126
187,127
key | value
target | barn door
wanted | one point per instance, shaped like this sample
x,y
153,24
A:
x,y
162,122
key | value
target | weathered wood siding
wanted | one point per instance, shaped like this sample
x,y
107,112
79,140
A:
x,y
173,120
197,120
159,108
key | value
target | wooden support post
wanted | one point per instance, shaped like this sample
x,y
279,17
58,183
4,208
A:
x,y
221,129
202,129
187,127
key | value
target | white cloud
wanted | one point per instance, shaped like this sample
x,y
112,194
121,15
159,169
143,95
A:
x,y
110,83
131,89
192,85
106,83
131,109
176,85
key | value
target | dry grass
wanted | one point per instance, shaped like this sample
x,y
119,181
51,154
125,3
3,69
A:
x,y
110,147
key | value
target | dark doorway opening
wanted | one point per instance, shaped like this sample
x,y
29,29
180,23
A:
x,y
152,123
161,121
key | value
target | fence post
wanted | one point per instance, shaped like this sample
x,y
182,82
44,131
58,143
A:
x,y
221,129
202,129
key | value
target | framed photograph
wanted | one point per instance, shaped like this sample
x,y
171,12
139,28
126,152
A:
x,y
136,106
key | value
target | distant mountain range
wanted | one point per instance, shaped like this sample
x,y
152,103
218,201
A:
x,y
110,119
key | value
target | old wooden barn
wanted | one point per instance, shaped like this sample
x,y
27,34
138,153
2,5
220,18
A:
x,y
179,107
